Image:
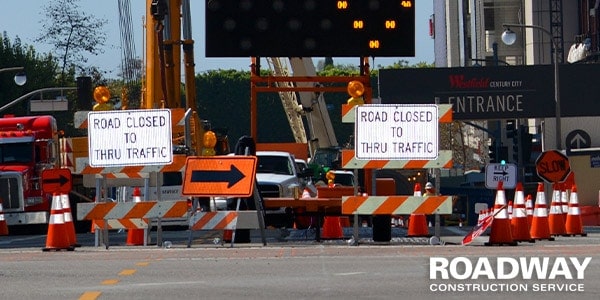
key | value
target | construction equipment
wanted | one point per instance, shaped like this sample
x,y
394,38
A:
x,y
323,146
28,146
310,104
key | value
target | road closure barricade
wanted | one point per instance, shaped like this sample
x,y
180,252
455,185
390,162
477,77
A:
x,y
130,215
223,220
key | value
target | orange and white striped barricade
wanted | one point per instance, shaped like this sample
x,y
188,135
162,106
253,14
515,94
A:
x,y
349,161
223,220
82,167
127,214
395,205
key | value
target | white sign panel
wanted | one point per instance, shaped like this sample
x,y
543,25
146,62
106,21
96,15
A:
x,y
130,138
396,132
507,173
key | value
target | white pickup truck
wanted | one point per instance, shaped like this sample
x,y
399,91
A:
x,y
278,176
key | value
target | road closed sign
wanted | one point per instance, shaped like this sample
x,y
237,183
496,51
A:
x,y
396,132
130,138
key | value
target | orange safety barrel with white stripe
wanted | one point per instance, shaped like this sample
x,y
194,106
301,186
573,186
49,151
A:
x,y
132,210
396,205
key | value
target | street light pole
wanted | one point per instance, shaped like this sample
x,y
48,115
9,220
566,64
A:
x,y
20,78
509,38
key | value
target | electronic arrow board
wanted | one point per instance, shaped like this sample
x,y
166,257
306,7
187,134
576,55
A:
x,y
310,28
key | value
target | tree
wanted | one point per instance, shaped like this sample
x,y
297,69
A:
x,y
72,33
41,72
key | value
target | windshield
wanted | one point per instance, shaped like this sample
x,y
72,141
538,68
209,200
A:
x,y
324,157
16,153
344,179
274,164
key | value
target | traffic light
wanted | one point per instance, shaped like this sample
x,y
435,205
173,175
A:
x,y
498,154
515,144
492,153
526,145
84,93
511,129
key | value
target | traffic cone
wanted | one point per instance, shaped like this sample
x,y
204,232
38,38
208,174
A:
x,y
417,223
306,193
417,190
556,219
57,237
574,224
564,199
227,235
540,230
519,224
3,225
332,228
64,198
301,220
135,236
501,233
529,210
509,209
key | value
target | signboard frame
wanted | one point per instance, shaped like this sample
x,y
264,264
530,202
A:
x,y
396,132
213,176
507,173
324,28
475,93
57,181
142,136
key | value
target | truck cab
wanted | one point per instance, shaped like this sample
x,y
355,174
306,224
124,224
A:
x,y
278,176
28,146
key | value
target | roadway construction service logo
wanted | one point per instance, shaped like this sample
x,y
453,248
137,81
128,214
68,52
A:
x,y
507,274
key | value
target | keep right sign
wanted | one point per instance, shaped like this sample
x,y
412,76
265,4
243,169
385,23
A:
x,y
553,166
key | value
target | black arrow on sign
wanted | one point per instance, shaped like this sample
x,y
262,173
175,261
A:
x,y
503,173
60,180
232,176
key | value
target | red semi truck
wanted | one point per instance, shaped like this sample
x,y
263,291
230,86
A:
x,y
28,146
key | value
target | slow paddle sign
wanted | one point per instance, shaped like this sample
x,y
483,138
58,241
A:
x,y
213,176
553,166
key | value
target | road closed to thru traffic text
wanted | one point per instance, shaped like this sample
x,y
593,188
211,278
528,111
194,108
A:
x,y
130,137
400,132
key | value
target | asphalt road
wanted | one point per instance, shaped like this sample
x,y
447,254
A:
x,y
290,266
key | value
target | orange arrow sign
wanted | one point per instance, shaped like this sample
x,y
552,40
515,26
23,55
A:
x,y
210,176
56,181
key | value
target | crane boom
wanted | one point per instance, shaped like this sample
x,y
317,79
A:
x,y
289,100
319,124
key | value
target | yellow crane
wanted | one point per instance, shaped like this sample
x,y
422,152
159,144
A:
x,y
168,32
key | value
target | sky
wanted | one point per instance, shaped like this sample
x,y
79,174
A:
x,y
24,19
